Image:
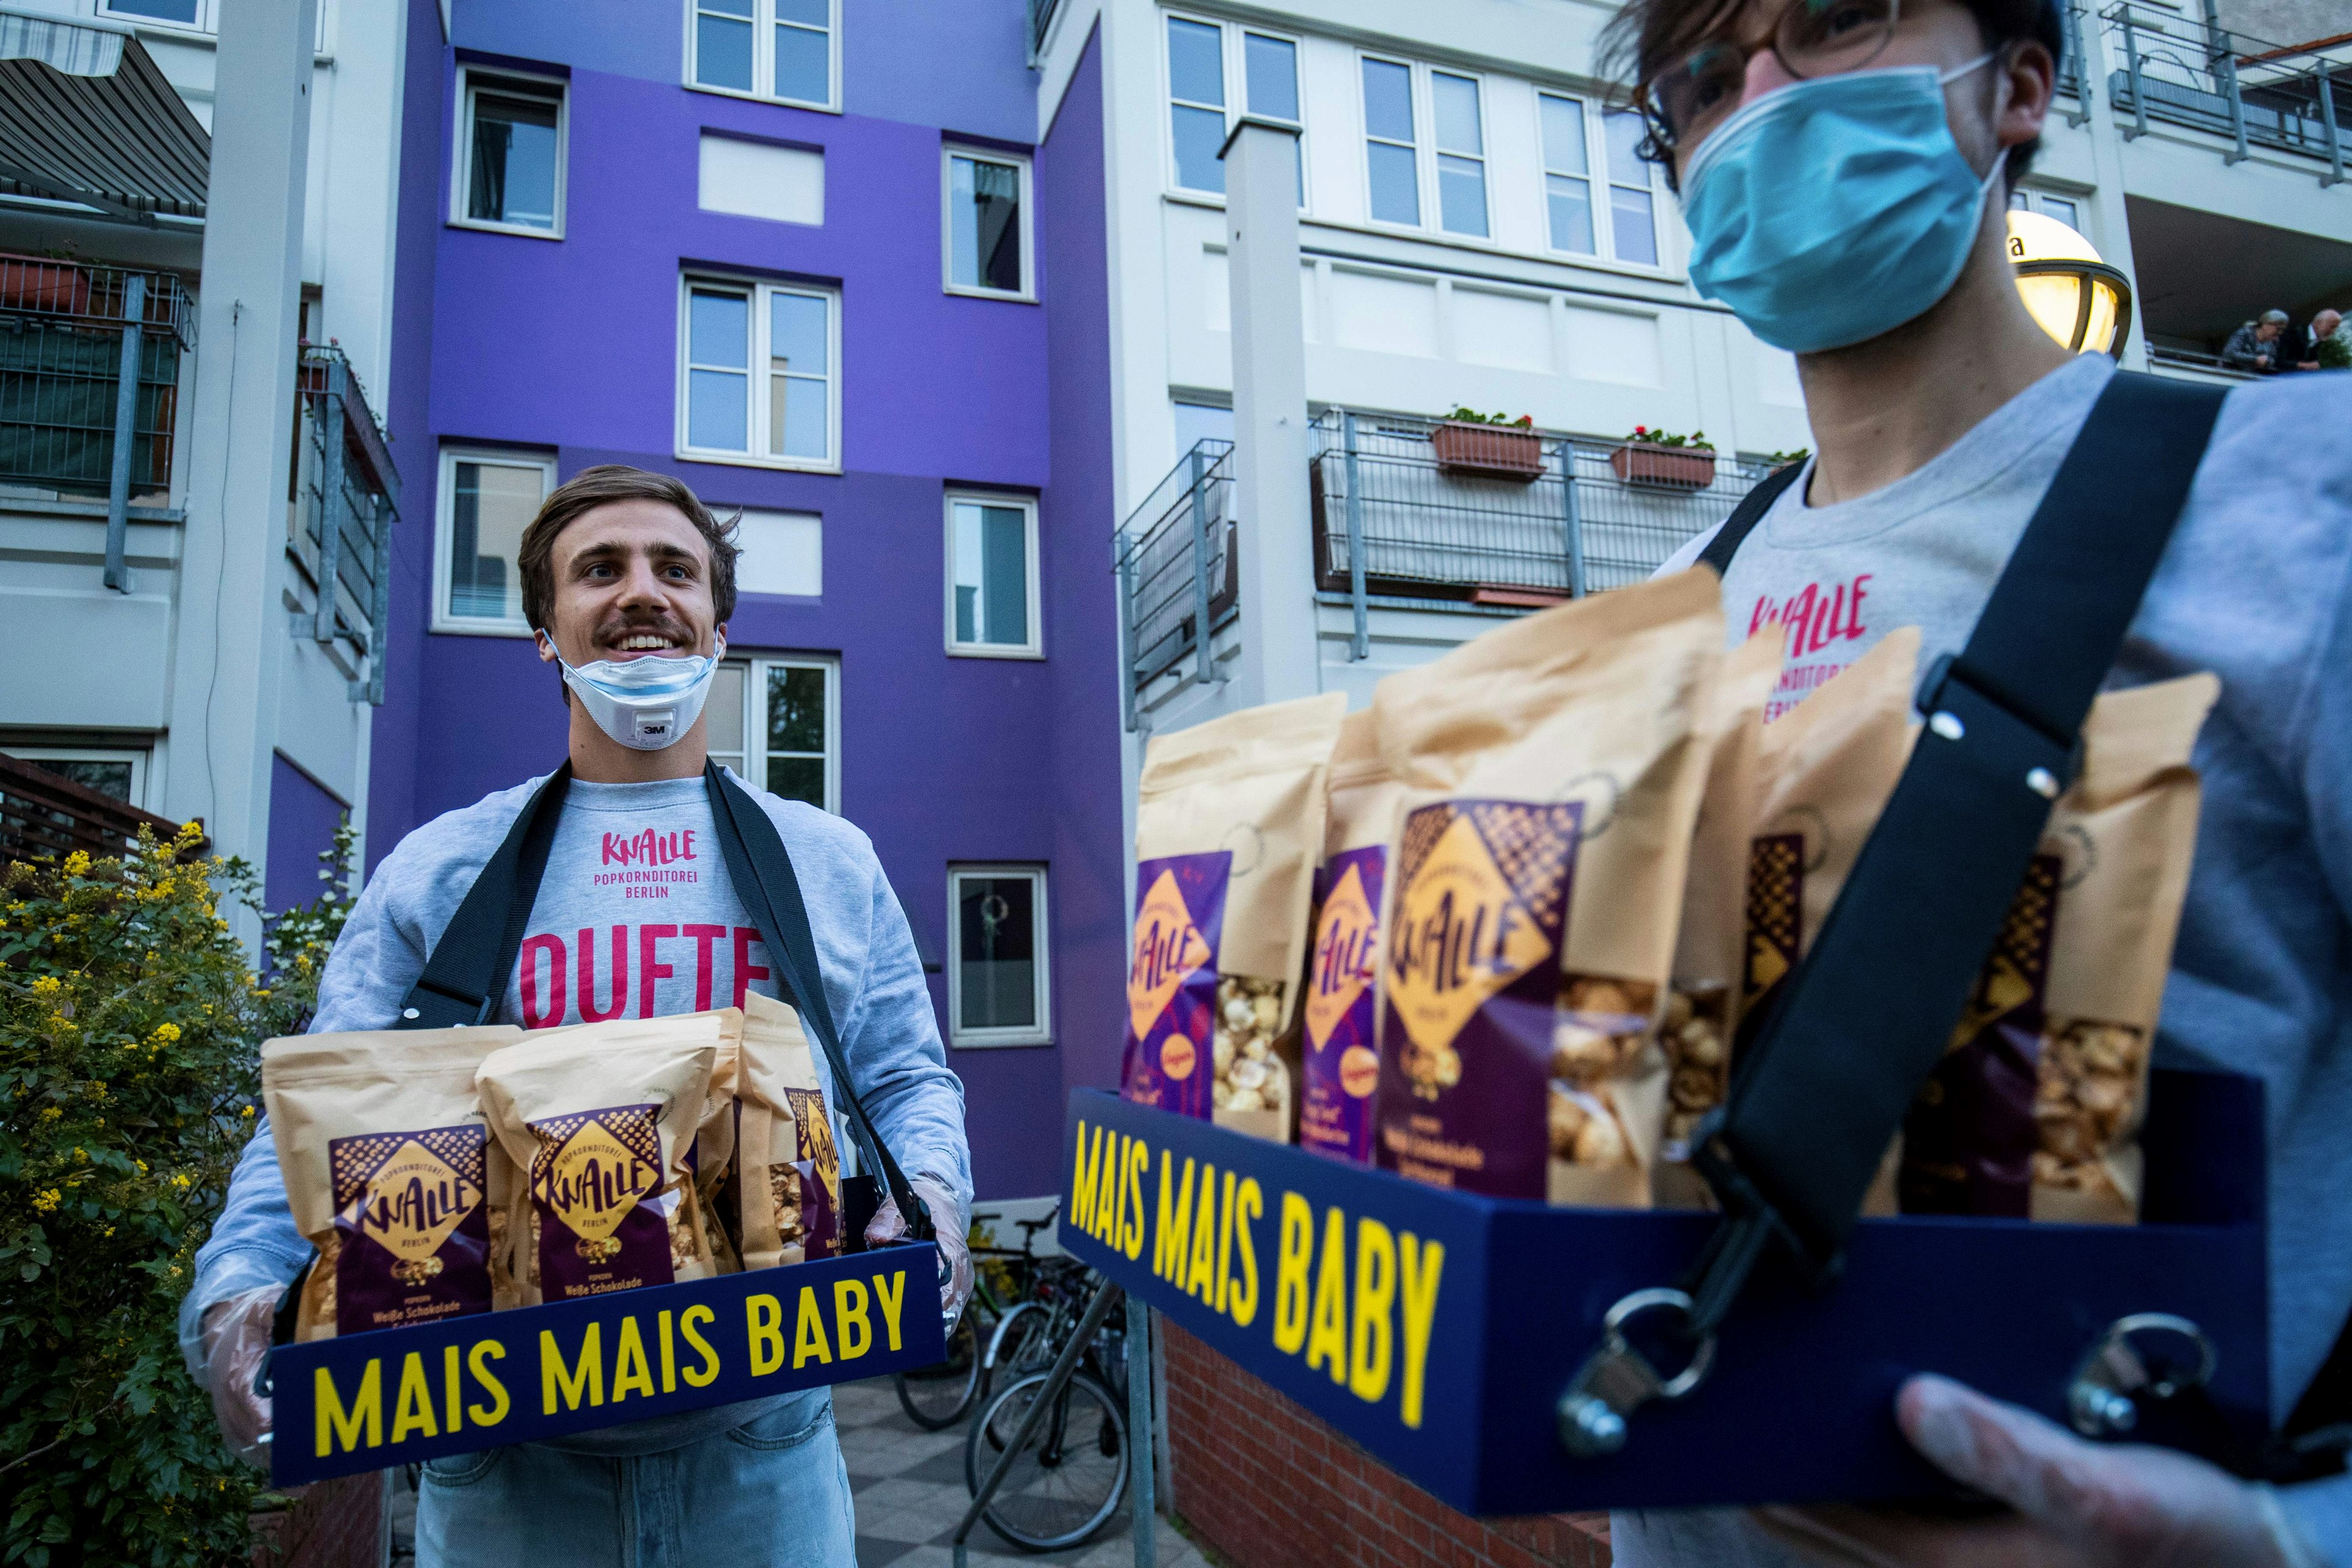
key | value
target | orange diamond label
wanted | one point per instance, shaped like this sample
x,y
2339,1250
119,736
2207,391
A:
x,y
1461,933
1344,942
1168,947
594,1181
412,1202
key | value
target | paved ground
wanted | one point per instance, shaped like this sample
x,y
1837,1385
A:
x,y
910,1492
910,1495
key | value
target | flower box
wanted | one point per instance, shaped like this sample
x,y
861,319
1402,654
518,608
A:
x,y
1488,451
1670,468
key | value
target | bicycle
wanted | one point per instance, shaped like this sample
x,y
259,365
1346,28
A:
x,y
1067,1479
936,1398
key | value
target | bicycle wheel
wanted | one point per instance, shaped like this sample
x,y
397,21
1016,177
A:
x,y
935,1397
1067,1481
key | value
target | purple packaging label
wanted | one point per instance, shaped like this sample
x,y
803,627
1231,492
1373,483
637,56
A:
x,y
1970,1137
1171,990
820,1171
597,1187
413,1229
1341,1065
1472,966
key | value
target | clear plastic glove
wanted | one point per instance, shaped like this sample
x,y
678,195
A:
x,y
2076,1504
951,1228
235,1338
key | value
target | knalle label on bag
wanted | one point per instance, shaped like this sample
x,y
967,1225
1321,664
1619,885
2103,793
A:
x,y
590,1187
1171,986
1343,1067
415,1232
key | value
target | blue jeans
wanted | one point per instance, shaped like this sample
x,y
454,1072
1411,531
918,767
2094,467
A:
x,y
772,1493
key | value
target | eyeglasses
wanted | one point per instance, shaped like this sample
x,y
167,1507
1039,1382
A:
x,y
1696,92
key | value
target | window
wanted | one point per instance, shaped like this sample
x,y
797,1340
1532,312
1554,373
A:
x,y
765,49
2065,209
997,981
186,13
1626,226
1196,90
756,374
1268,66
1391,160
511,156
777,722
486,498
114,773
992,576
1461,154
759,179
987,225
782,551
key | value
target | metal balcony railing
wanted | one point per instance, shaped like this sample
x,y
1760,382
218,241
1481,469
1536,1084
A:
x,y
2208,77
1391,524
343,497
44,815
1176,573
1041,22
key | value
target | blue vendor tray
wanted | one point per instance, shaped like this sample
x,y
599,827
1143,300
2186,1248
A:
x,y
1452,1376
397,1396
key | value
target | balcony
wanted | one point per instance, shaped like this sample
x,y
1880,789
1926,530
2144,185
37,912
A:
x,y
2251,92
343,498
1394,528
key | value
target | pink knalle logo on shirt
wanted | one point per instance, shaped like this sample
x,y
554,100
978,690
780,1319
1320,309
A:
x,y
649,847
1813,618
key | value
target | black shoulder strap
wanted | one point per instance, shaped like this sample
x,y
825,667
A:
x,y
1745,516
762,871
466,972
1864,1018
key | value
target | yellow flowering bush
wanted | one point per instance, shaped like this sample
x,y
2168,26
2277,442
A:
x,y
129,1026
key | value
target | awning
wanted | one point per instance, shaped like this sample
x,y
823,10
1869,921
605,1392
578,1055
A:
x,y
86,116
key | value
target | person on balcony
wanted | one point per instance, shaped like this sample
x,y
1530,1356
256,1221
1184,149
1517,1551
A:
x,y
1844,169
2254,347
2305,343
620,567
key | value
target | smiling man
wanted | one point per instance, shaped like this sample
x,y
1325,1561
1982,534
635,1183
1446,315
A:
x,y
628,582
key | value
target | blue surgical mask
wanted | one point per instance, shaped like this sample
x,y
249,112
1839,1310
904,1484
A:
x,y
646,704
1829,212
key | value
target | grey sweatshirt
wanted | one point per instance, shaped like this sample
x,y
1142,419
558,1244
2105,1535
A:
x,y
635,917
2255,587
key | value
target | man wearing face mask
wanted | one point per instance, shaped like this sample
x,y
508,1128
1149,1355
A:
x,y
1844,167
628,582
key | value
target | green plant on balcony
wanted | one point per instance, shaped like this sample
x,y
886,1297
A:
x,y
1488,446
1659,458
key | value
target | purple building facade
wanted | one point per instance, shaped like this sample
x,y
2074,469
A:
x,y
817,260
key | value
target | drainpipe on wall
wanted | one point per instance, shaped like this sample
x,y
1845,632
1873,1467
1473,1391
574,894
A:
x,y
1274,555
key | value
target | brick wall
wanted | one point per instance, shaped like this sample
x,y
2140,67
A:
x,y
333,1524
1272,1486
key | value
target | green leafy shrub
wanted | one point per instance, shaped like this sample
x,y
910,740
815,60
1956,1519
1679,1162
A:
x,y
130,1024
1696,440
1468,415
2334,351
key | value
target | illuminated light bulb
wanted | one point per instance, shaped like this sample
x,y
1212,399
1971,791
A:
x,y
2077,298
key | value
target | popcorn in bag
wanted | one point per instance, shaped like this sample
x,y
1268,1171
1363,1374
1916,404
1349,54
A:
x,y
1339,1049
392,1173
1702,1005
1556,765
1228,828
602,1120
784,1202
2034,1111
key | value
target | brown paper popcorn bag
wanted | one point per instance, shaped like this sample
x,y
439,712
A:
x,y
392,1173
1537,880
601,1120
1825,769
1702,1005
1228,830
783,1201
2034,1111
1337,1031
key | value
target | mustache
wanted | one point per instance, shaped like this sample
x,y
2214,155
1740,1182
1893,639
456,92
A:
x,y
616,627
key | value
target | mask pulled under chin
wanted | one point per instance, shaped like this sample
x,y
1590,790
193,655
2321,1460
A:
x,y
644,704
1833,211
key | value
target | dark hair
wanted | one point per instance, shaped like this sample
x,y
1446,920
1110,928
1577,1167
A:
x,y
1644,37
592,488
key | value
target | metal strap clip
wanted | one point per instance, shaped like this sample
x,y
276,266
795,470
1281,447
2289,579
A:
x,y
2101,1401
1618,1379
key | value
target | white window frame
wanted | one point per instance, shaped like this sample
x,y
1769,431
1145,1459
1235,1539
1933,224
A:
x,y
444,526
1598,182
760,292
207,20
473,80
763,60
754,758
2034,199
138,757
1027,292
1426,185
1233,54
1042,1032
1034,649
